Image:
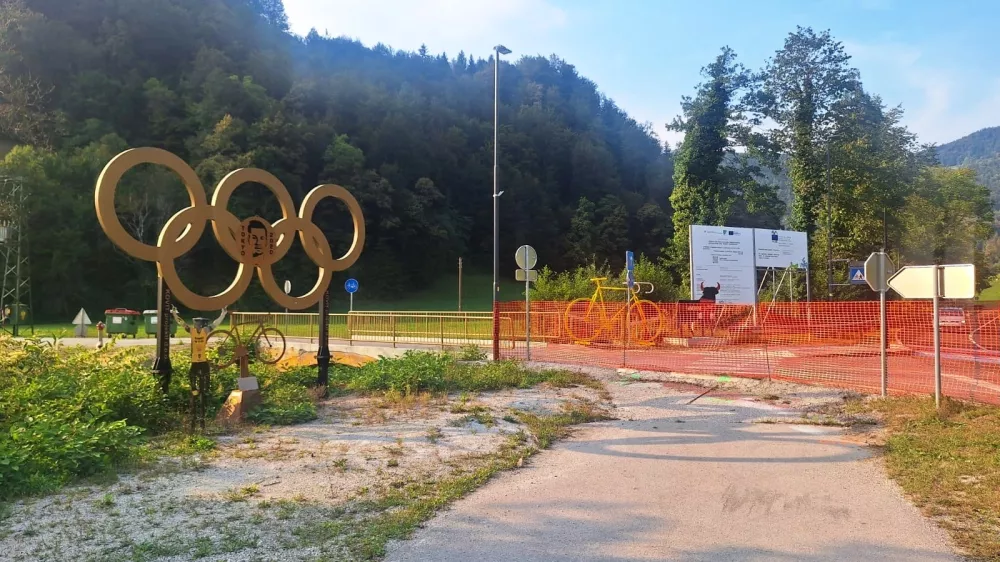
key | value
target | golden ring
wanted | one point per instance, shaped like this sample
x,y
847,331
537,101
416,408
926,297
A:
x,y
254,248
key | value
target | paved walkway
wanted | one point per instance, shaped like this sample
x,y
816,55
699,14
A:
x,y
694,483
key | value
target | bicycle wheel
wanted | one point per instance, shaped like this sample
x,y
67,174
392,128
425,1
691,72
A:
x,y
270,346
222,346
581,322
645,322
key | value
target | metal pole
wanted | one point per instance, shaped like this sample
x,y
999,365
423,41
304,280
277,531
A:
x,y
496,204
460,284
351,309
937,336
527,309
829,231
323,353
884,333
161,365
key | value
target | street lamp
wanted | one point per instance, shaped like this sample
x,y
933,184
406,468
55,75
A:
x,y
500,50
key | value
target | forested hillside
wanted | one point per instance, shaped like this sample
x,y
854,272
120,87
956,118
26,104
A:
x,y
979,151
222,84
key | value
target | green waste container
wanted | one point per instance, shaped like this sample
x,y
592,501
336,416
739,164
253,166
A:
x,y
149,322
121,321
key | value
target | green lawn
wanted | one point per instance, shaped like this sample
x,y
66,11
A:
x,y
991,293
442,296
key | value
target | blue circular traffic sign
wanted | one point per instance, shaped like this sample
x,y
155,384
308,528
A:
x,y
351,285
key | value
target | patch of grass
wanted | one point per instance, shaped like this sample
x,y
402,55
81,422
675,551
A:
x,y
948,462
107,501
241,494
149,550
341,464
434,434
392,463
417,372
471,352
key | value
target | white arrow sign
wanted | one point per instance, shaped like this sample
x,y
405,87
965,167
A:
x,y
917,281
81,318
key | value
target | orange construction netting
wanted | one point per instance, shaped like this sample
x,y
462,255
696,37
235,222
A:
x,y
829,343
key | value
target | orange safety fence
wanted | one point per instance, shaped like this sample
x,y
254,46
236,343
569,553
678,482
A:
x,y
829,343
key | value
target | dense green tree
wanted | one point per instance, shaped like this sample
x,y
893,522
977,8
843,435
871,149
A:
x,y
947,218
799,87
711,180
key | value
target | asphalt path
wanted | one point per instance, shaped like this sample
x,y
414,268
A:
x,y
700,482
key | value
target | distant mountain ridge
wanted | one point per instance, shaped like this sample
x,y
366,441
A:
x,y
979,151
984,143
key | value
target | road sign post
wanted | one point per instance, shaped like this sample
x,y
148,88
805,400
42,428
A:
x,y
351,286
630,282
875,273
935,282
526,258
937,334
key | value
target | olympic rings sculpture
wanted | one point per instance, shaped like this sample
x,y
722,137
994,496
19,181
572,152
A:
x,y
254,243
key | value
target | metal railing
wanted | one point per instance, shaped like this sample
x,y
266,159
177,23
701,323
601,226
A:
x,y
443,329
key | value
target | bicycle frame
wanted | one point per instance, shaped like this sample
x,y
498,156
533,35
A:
x,y
606,323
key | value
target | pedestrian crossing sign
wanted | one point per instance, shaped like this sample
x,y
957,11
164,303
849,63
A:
x,y
856,274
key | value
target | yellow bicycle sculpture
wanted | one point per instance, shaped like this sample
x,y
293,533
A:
x,y
635,320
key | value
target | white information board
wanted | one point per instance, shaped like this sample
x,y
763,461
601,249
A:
x,y
781,248
723,258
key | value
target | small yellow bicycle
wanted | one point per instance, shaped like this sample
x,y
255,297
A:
x,y
594,319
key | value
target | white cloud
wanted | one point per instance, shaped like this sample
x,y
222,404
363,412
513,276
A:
x,y
474,26
941,103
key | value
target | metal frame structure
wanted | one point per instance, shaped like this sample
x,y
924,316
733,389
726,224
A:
x,y
16,284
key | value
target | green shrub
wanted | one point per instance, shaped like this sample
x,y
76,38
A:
x,y
284,404
418,371
576,283
471,352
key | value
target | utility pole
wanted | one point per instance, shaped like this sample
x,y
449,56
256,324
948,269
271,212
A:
x,y
829,231
460,284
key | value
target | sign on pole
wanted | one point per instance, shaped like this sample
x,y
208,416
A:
x,y
877,271
917,281
526,275
630,268
856,275
526,259
351,286
288,287
936,282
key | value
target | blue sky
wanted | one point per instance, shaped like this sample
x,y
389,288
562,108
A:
x,y
937,59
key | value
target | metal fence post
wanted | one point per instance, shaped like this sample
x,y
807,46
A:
x,y
323,353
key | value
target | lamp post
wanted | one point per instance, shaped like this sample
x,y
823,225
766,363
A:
x,y
499,50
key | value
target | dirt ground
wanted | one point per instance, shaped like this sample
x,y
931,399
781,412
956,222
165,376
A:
x,y
260,490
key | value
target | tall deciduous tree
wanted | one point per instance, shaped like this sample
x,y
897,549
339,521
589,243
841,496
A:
x,y
709,175
947,218
798,89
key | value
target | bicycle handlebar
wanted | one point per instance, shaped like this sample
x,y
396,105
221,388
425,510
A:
x,y
640,284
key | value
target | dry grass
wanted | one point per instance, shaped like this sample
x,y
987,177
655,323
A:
x,y
948,462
